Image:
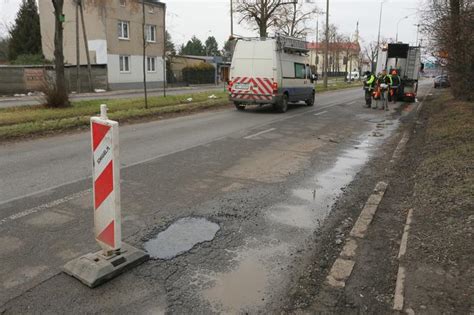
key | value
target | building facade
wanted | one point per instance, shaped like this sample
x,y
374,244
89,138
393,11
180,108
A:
x,y
114,36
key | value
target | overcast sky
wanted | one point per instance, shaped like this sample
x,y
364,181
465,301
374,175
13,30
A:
x,y
202,18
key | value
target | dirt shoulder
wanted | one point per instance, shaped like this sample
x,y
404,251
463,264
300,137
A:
x,y
440,252
434,177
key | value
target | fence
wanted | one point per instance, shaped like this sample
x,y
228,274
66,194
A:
x,y
24,79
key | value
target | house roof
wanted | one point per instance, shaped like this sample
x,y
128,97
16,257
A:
x,y
354,46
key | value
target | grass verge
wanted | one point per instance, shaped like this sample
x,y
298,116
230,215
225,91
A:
x,y
24,121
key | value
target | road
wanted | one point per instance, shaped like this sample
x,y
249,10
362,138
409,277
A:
x,y
268,180
6,102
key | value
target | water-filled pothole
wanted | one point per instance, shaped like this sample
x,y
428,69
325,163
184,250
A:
x,y
180,237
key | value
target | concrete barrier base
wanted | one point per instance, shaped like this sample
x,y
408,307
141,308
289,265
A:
x,y
94,269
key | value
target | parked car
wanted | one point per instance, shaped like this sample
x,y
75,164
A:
x,y
441,81
353,76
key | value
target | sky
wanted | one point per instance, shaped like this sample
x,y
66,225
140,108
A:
x,y
204,18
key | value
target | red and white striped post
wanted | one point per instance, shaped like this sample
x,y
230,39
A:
x,y
106,182
115,257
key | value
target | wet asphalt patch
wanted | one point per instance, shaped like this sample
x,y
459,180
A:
x,y
180,237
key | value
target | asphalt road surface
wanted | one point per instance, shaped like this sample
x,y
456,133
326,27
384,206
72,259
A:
x,y
268,180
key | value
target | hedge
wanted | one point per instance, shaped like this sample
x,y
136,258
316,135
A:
x,y
199,74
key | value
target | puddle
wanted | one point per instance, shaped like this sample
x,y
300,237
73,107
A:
x,y
314,203
180,237
248,285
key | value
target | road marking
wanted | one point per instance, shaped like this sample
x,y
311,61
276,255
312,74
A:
x,y
398,299
259,133
399,288
42,207
321,113
404,241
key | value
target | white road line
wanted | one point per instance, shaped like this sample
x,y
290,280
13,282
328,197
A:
x,y
42,207
398,299
259,133
399,288
404,241
317,114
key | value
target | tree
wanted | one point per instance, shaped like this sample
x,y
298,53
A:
x,y
292,20
261,14
193,47
169,45
59,96
4,49
371,51
211,47
449,25
25,35
170,52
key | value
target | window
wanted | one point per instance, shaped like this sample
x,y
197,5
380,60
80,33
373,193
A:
x,y
122,3
123,29
151,33
300,71
124,62
151,64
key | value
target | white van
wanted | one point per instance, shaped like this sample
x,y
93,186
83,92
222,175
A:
x,y
270,71
354,75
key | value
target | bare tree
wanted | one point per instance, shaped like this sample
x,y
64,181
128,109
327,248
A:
x,y
259,13
371,51
293,20
60,81
450,24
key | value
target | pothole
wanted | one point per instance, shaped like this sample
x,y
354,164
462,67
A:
x,y
180,237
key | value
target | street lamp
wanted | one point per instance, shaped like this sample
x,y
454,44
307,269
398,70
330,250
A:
x,y
398,23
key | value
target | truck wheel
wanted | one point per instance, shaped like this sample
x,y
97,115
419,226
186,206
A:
x,y
282,106
310,102
239,106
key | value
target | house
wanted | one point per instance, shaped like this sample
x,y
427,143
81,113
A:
x,y
114,37
341,58
179,62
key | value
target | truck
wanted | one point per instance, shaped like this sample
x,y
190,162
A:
x,y
270,70
406,60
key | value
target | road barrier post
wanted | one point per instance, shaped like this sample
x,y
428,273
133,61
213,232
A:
x,y
115,257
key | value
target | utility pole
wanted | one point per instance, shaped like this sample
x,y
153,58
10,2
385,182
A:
x,y
231,19
86,45
144,54
316,61
164,50
326,61
417,33
78,58
378,36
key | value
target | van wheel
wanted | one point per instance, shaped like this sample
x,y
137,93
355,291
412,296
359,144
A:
x,y
239,106
282,106
310,102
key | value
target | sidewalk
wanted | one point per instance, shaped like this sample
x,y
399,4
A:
x,y
431,176
7,101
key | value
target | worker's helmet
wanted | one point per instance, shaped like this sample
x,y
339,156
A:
x,y
367,73
394,72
